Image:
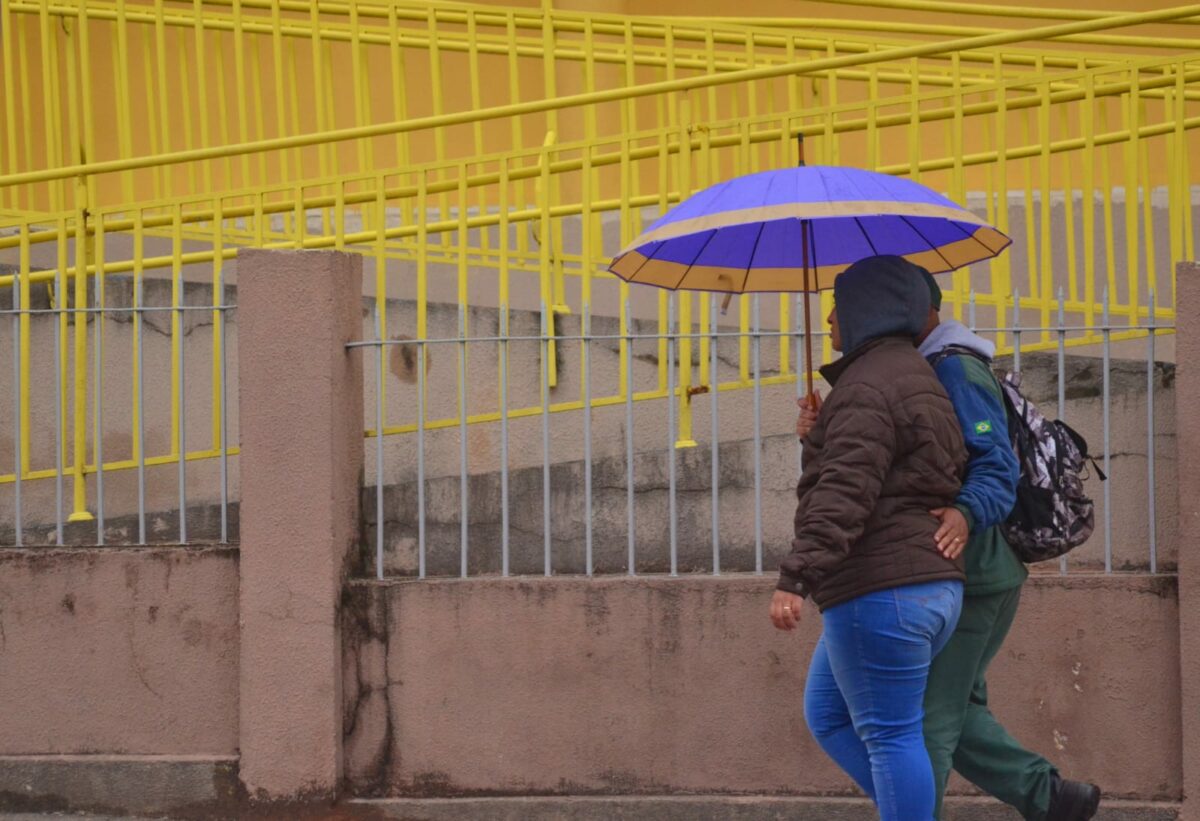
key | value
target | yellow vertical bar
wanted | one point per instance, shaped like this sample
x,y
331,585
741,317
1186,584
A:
x,y
1032,258
438,99
629,110
1185,160
138,255
422,254
10,98
1088,127
684,158
330,103
1069,207
961,277
1002,265
83,24
545,284
741,166
1151,283
51,101
503,231
23,82
239,78
1047,243
318,67
399,90
827,344
185,75
1110,252
294,96
124,117
586,240
218,317
515,123
914,120
589,85
75,142
339,214
61,300
1132,148
158,175
702,306
259,107
381,280
473,70
663,297
872,114
710,54
164,100
280,91
176,325
79,512
358,79
98,256
549,67
1174,102
24,264
462,210
626,223
222,103
473,78
831,139
1183,220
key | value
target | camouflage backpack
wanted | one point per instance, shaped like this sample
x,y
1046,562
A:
x,y
1052,514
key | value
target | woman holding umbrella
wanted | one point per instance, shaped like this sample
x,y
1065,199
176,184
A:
x,y
886,449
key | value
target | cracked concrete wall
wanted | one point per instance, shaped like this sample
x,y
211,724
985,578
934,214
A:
x,y
119,651
659,686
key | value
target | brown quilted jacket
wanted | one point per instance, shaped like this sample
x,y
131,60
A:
x,y
886,449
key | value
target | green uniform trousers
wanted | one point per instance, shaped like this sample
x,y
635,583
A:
x,y
960,731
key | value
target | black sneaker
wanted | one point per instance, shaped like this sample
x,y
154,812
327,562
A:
x,y
1072,800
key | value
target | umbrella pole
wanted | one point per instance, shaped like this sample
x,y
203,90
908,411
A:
x,y
808,361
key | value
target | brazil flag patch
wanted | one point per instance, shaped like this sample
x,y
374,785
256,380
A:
x,y
983,427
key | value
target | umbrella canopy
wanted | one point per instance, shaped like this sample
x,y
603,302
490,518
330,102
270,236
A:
x,y
795,229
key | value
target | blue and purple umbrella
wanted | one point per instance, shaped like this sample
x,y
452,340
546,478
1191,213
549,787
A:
x,y
795,229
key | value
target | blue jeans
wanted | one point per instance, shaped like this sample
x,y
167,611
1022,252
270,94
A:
x,y
864,701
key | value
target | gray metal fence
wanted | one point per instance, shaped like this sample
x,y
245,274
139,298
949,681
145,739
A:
x,y
41,355
1069,371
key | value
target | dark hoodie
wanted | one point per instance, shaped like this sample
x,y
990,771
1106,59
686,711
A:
x,y
886,449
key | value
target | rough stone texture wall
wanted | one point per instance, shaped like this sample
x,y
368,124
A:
x,y
659,686
119,651
1188,396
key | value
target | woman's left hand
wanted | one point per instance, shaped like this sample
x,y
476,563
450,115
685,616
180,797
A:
x,y
785,610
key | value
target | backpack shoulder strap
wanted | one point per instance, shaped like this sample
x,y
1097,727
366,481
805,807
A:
x,y
957,350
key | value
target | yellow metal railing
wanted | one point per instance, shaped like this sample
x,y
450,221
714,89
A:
x,y
179,75
1011,129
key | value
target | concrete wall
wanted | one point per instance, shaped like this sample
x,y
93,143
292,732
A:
x,y
657,686
120,651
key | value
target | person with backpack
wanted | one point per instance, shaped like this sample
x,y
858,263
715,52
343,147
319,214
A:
x,y
960,731
885,448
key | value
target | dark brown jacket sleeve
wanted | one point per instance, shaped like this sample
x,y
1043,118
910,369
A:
x,y
859,446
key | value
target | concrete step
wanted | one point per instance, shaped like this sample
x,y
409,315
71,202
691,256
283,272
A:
x,y
711,808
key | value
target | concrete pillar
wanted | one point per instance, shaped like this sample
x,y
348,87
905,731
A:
x,y
1187,399
300,394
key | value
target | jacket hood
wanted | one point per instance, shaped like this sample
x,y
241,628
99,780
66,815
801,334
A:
x,y
878,297
952,332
